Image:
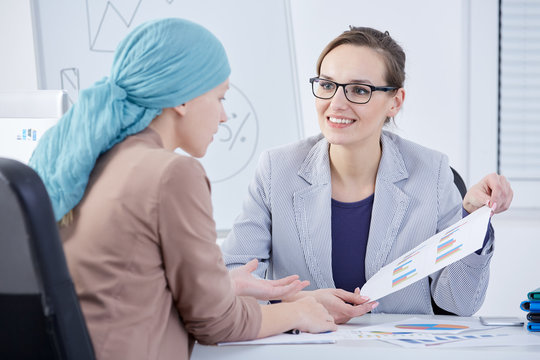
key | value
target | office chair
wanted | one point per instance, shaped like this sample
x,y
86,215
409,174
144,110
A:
x,y
460,184
40,316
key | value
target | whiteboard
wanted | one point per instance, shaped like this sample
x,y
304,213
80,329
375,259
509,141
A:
x,y
75,43
24,117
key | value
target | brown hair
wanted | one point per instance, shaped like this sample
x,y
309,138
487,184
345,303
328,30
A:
x,y
393,54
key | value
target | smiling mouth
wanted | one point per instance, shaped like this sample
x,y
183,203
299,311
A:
x,y
340,120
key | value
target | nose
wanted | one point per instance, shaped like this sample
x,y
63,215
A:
x,y
339,101
222,115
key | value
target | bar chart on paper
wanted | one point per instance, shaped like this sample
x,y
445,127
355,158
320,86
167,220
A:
x,y
404,270
448,245
437,326
440,250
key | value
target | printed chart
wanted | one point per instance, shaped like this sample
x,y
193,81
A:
x,y
423,326
432,326
440,250
404,270
448,245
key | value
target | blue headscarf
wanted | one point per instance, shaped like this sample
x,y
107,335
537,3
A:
x,y
161,63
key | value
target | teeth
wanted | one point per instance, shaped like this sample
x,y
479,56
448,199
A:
x,y
340,121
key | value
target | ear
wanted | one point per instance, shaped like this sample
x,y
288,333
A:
x,y
180,109
396,103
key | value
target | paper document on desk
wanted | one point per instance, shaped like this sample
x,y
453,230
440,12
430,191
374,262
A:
x,y
476,339
451,325
283,339
440,250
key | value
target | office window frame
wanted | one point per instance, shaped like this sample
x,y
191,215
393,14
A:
x,y
518,97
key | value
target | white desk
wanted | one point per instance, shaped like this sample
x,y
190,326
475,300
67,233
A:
x,y
369,349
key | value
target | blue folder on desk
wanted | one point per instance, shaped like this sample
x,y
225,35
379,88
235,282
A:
x,y
530,305
534,295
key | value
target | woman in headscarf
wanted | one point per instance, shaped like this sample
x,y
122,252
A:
x,y
136,218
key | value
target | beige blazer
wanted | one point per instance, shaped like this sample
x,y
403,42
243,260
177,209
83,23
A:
x,y
144,260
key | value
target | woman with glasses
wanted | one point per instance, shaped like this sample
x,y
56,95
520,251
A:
x,y
337,207
137,224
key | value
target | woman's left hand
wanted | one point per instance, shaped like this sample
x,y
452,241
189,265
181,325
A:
x,y
245,284
493,190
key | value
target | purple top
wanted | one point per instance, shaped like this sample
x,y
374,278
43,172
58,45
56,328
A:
x,y
350,231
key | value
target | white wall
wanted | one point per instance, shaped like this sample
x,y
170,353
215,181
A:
x,y
17,62
467,133
434,113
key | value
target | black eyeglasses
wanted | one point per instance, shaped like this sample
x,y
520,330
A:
x,y
354,92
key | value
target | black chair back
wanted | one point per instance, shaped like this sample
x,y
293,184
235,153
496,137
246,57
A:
x,y
40,316
460,184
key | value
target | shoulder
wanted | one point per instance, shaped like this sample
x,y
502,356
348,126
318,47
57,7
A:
x,y
183,171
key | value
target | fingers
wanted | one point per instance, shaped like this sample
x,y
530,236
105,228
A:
x,y
476,197
347,312
493,190
317,319
352,298
359,310
288,290
284,281
251,265
501,194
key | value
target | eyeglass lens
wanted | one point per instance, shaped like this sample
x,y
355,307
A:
x,y
357,93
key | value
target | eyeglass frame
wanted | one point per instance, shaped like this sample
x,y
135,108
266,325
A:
x,y
371,87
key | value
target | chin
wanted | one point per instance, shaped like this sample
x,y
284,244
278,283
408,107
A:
x,y
198,154
201,152
335,139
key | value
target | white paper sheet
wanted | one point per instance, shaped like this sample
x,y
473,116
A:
x,y
282,339
469,340
440,250
386,335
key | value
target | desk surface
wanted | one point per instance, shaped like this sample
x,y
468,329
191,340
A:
x,y
352,349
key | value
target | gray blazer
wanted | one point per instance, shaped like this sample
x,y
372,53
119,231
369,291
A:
x,y
286,223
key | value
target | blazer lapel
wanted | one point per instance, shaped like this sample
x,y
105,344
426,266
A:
x,y
312,209
389,207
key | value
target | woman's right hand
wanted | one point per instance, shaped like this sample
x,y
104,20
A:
x,y
313,316
342,305
305,314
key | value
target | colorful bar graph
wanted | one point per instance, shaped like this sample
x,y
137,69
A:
x,y
402,269
448,253
448,245
404,277
446,327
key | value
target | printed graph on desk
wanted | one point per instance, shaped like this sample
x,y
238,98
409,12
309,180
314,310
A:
x,y
431,326
404,269
448,245
388,335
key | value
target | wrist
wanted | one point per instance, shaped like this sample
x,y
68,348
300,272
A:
x,y
278,318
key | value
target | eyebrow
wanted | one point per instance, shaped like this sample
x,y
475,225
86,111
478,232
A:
x,y
359,81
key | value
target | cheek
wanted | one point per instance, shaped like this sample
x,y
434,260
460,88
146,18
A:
x,y
321,106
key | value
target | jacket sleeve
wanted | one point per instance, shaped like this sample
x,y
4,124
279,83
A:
x,y
460,287
196,275
251,234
